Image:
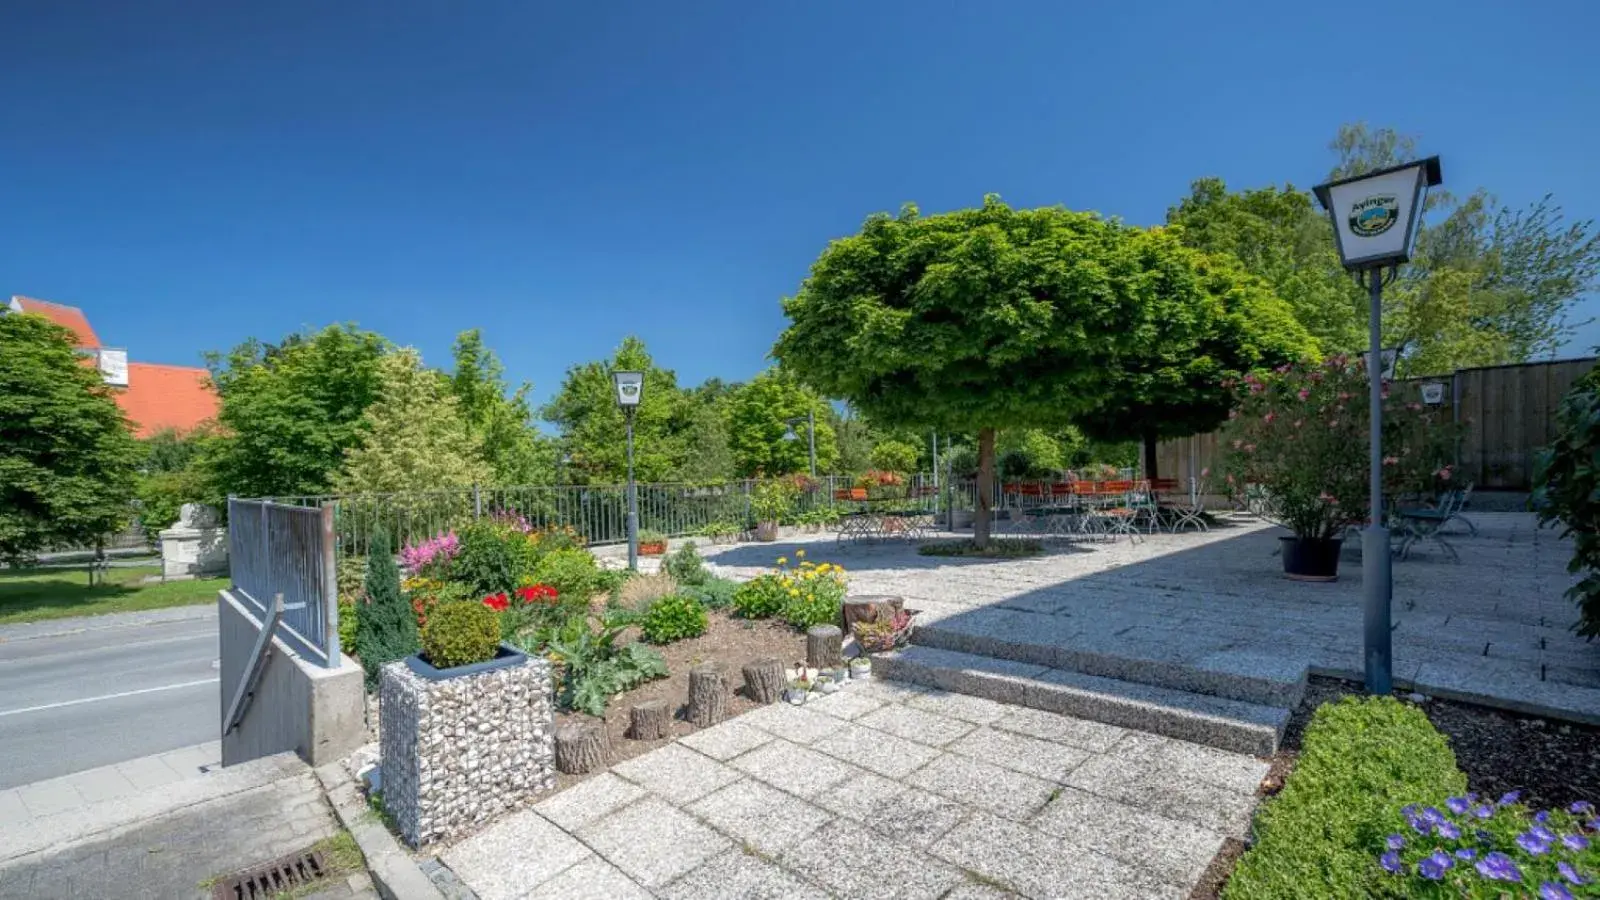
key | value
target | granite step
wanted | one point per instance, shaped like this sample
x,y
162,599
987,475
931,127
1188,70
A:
x,y
1159,659
1200,718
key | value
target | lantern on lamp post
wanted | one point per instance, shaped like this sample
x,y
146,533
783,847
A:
x,y
630,390
789,434
1375,219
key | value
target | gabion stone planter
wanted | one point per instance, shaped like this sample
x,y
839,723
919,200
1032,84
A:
x,y
460,751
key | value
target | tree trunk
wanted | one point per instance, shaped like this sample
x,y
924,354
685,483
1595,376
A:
x,y
823,644
870,609
764,680
580,747
648,721
708,695
1150,455
980,520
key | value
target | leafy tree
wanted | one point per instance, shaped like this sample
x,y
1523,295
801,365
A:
x,y
710,458
891,455
386,628
853,440
170,476
970,321
1203,324
291,410
1029,453
501,423
413,437
67,473
759,414
592,427
1566,494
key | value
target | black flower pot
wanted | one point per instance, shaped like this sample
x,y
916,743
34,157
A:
x,y
1311,559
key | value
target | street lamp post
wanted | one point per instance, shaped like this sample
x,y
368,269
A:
x,y
810,418
630,390
1375,224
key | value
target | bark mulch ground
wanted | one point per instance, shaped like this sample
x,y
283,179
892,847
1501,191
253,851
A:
x,y
1552,763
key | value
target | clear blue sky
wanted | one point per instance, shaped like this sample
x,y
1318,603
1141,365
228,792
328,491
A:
x,y
562,174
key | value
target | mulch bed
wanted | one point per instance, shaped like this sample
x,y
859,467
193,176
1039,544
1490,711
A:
x,y
1552,763
728,641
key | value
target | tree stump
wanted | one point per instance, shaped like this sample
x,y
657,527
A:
x,y
869,609
823,644
648,721
708,695
764,680
580,747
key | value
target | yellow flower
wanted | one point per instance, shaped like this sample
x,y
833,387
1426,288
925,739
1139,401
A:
x,y
800,554
793,592
783,560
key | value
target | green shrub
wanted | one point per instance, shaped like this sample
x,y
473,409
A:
x,y
460,633
609,581
491,558
673,618
759,598
590,667
349,624
386,627
351,580
998,548
685,565
573,573
1566,493
714,592
1361,760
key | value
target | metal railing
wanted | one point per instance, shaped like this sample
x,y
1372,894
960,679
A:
x,y
597,512
279,548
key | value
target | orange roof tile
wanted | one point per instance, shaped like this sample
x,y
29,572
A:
x,y
68,317
159,397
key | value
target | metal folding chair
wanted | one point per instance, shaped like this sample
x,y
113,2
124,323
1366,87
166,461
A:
x,y
1194,512
1424,524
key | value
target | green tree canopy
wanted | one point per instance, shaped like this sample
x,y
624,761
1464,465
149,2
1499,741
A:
x,y
501,422
890,455
592,426
970,321
1203,324
759,414
291,410
413,437
67,473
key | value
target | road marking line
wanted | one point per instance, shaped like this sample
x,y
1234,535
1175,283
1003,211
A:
x,y
165,687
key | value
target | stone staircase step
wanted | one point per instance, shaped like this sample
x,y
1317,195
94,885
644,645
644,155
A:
x,y
1154,658
1202,719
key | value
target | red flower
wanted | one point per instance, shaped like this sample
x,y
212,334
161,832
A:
x,y
535,593
497,602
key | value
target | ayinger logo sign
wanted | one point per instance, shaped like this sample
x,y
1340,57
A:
x,y
1374,215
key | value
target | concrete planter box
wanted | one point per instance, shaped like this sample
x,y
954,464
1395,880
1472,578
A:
x,y
463,748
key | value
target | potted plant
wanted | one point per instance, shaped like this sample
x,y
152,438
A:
x,y
652,543
1298,441
799,690
960,499
462,638
860,667
828,681
770,502
884,633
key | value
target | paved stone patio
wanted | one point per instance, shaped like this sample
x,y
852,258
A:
x,y
1494,628
883,790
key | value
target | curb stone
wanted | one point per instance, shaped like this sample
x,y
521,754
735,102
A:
x,y
394,873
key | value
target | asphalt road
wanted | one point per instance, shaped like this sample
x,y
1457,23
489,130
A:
x,y
70,702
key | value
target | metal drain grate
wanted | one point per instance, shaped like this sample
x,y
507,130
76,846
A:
x,y
271,879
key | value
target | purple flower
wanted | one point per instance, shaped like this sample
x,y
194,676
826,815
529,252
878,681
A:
x,y
1432,816
1483,812
1466,853
1396,841
1593,824
1542,833
1434,867
1497,866
1542,816
1569,873
1554,890
1409,810
1575,842
1421,826
1449,831
1390,862
1458,805
1580,807
1510,797
1533,843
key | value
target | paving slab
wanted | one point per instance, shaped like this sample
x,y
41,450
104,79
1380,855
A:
x,y
742,875
1174,851
851,704
727,740
653,841
588,800
591,879
517,855
1040,865
1031,756
759,816
838,859
802,772
676,773
916,725
1095,737
984,785
794,723
877,751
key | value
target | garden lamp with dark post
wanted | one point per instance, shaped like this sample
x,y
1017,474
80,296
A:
x,y
1375,219
810,418
630,390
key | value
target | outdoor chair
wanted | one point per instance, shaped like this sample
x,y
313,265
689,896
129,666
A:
x,y
1424,524
1194,511
1120,518
1466,497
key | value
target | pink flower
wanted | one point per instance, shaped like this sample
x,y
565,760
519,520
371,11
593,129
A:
x,y
1316,376
1255,387
1282,369
1328,498
1299,422
1344,395
1269,417
1391,460
1444,473
1304,394
1205,471
1333,423
1233,414
1414,407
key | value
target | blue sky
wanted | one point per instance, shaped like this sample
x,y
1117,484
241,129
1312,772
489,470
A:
x,y
560,175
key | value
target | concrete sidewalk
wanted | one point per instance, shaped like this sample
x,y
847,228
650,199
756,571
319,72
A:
x,y
26,808
54,627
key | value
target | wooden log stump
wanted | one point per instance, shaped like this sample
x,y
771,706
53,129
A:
x,y
764,680
581,747
708,695
870,608
823,643
648,721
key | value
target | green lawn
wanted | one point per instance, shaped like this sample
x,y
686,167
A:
x,y
31,595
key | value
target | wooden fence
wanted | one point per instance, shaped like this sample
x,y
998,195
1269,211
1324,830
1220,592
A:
x,y
1508,413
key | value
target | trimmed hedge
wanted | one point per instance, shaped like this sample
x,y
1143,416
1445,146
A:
x,y
460,633
1360,761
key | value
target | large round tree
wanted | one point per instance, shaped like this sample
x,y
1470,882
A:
x,y
1204,323
970,321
